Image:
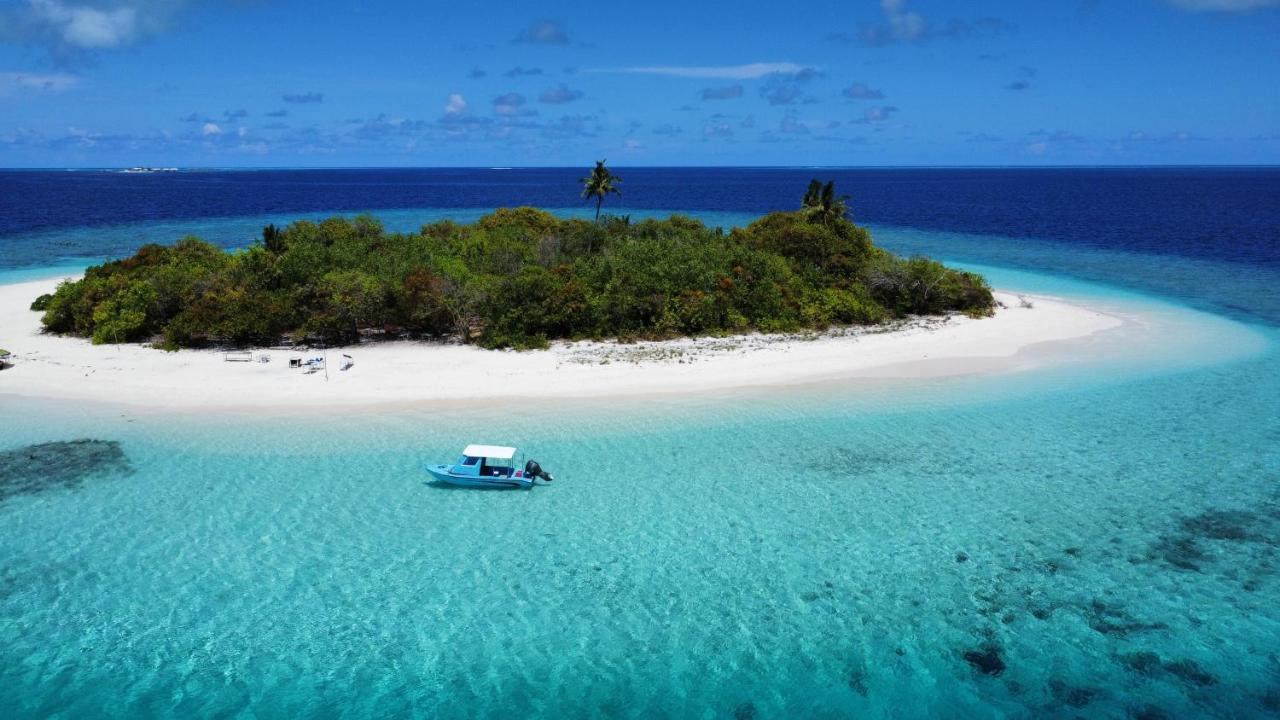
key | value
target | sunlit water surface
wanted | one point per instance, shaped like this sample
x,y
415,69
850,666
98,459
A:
x,y
1087,540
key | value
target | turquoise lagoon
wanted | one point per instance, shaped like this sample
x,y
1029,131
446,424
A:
x,y
1094,539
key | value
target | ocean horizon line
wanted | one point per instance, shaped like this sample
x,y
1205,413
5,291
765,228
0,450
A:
x,y
896,166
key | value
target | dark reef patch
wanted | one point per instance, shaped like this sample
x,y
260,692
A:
x,y
986,660
1115,620
827,591
1180,551
745,711
1050,566
858,681
1147,712
1197,540
1076,697
1191,672
1188,671
39,468
1221,524
1142,662
851,462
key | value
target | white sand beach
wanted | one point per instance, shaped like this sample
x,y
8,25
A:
x,y
1026,332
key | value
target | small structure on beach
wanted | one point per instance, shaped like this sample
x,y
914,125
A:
x,y
5,358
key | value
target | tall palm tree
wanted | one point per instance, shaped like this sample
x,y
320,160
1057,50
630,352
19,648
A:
x,y
813,195
273,239
822,204
601,182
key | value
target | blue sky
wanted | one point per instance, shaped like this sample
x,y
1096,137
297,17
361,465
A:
x,y
870,82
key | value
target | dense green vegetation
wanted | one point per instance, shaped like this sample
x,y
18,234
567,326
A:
x,y
516,278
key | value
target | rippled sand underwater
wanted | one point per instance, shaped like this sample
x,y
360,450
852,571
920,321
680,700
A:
x,y
1050,545
1092,540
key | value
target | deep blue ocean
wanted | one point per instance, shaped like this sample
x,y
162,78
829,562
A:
x,y
1229,214
1220,213
1095,539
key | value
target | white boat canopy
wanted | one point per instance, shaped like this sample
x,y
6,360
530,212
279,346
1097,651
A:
x,y
496,452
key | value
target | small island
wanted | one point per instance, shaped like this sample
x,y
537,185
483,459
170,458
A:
x,y
518,278
621,307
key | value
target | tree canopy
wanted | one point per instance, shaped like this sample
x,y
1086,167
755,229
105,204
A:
x,y
518,277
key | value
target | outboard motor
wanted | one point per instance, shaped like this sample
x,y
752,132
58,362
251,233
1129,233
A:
x,y
534,470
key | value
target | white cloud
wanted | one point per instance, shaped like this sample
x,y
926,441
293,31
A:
x,y
717,130
511,105
728,92
543,32
862,91
903,24
47,82
791,125
210,129
559,95
89,27
751,71
877,114
71,27
1238,6
907,26
305,98
456,105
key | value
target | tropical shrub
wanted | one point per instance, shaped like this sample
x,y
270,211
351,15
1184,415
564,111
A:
x,y
519,277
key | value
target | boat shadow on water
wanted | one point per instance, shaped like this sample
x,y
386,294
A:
x,y
442,485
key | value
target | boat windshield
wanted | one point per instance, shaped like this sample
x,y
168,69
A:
x,y
496,466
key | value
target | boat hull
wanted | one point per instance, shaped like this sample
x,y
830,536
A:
x,y
441,473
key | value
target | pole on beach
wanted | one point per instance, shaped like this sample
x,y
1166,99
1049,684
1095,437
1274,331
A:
x,y
326,364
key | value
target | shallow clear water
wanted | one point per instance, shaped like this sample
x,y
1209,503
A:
x,y
1091,540
799,555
